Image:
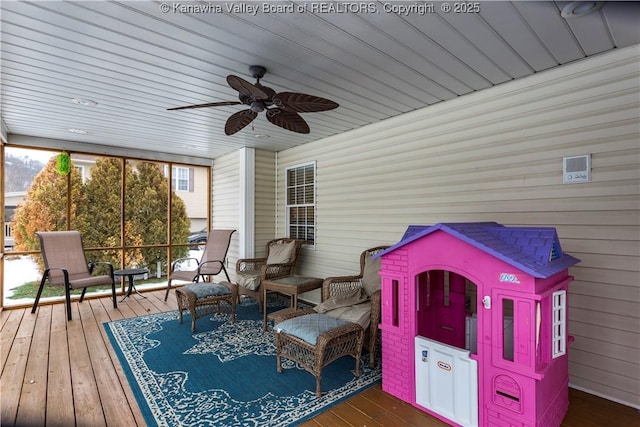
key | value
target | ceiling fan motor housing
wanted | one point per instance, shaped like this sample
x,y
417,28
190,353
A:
x,y
257,71
257,106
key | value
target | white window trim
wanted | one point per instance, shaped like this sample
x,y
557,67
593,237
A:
x,y
176,176
314,204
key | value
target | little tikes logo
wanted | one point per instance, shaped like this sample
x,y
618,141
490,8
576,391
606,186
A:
x,y
509,278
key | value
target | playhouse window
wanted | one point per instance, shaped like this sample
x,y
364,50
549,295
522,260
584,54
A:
x,y
507,329
395,304
446,289
559,333
538,327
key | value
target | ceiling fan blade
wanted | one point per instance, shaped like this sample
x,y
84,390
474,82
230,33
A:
x,y
239,120
245,88
288,120
302,103
209,104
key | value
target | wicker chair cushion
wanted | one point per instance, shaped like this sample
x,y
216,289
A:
x,y
359,313
281,253
250,281
353,297
370,276
203,290
309,327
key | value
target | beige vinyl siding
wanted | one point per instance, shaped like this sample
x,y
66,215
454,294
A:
x,y
226,201
496,155
265,201
225,183
196,199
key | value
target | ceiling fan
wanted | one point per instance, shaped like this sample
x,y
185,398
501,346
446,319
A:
x,y
281,108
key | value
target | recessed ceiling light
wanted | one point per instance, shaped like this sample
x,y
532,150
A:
x,y
261,136
580,8
78,131
84,102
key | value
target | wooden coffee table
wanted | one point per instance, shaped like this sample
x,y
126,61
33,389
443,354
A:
x,y
290,285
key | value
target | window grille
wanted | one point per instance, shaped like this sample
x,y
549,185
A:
x,y
181,179
301,202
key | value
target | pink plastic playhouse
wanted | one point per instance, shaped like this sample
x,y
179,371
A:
x,y
474,323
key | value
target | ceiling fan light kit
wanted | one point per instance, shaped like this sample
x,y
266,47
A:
x,y
281,109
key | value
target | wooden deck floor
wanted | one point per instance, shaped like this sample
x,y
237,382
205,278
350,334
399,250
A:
x,y
59,373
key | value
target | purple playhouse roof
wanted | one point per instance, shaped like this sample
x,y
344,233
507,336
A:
x,y
534,250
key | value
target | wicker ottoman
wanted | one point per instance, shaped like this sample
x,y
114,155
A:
x,y
202,299
315,340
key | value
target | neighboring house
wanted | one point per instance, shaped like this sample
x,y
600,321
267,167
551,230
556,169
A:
x,y
84,164
11,201
190,184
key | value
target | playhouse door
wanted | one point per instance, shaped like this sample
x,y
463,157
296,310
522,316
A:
x,y
449,307
446,381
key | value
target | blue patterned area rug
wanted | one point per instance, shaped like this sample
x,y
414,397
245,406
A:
x,y
224,374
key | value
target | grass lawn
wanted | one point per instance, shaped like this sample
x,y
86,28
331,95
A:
x,y
30,289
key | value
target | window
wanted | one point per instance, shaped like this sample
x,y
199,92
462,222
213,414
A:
x,y
82,172
559,335
507,329
301,202
180,179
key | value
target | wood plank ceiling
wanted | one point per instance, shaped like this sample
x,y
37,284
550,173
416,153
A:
x,y
377,60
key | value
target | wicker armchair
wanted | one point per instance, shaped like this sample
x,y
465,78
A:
x,y
369,279
279,261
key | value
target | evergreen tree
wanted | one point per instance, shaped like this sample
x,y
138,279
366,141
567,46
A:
x,y
96,211
45,206
100,213
147,201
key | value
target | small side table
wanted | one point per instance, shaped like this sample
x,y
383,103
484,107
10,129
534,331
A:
x,y
130,273
290,285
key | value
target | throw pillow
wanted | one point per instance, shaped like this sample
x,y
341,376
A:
x,y
249,281
281,253
370,276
